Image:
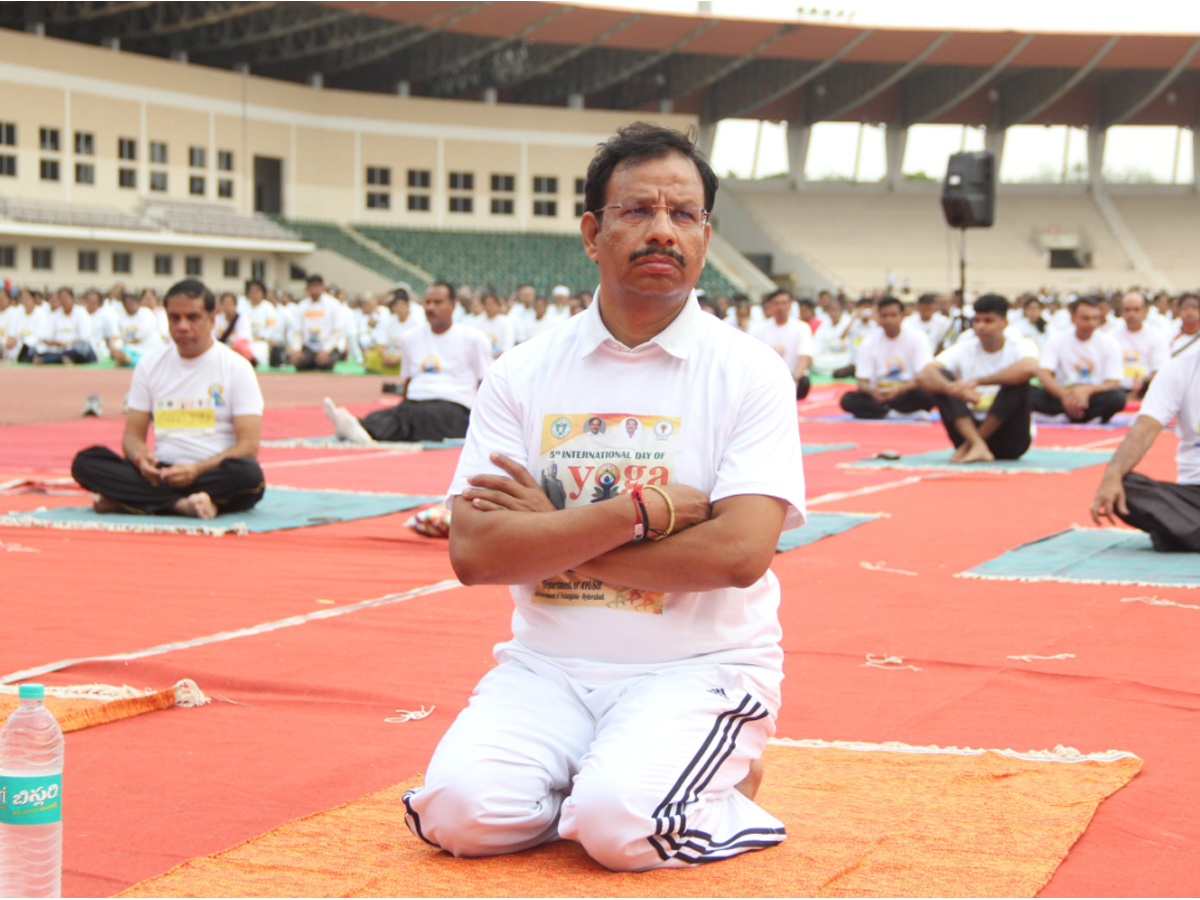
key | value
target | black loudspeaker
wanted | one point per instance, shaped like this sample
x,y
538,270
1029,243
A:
x,y
969,191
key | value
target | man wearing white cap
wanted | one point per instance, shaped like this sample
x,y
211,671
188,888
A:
x,y
560,299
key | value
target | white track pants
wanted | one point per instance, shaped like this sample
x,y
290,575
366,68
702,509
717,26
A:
x,y
640,772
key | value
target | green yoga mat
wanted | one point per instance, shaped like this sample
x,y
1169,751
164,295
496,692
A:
x,y
820,525
1093,556
280,508
1036,459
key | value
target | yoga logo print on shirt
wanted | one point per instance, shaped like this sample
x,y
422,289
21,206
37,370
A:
x,y
174,415
593,457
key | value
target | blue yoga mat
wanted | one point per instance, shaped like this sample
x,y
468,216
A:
x,y
279,509
1036,459
812,449
1093,556
819,525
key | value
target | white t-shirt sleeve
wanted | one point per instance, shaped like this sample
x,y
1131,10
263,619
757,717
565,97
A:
x,y
951,359
1114,369
763,453
139,389
496,427
1049,358
245,395
1164,399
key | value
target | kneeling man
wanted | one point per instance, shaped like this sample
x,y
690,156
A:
x,y
206,408
630,709
1170,513
985,374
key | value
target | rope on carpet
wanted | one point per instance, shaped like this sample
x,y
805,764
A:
x,y
1058,754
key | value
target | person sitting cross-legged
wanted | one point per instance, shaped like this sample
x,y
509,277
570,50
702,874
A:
x,y
888,361
1169,513
1081,369
205,405
985,374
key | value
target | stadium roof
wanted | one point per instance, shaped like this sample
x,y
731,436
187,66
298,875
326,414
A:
x,y
715,68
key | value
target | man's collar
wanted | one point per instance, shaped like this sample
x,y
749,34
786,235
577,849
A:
x,y
676,339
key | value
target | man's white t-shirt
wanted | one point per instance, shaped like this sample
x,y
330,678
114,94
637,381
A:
x,y
791,340
1075,362
318,324
1143,352
29,328
934,330
139,331
713,412
889,362
1175,393
446,366
192,402
70,328
966,360
499,331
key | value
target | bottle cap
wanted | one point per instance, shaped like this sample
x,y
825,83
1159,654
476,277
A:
x,y
32,692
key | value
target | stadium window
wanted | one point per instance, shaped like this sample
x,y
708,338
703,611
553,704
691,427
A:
x,y
48,139
379,175
197,157
232,266
418,203
461,205
8,165
580,186
122,263
8,257
126,149
89,261
258,269
85,173
580,209
502,206
225,187
225,160
379,200
505,184
49,170
196,185
193,265
158,181
462,181
127,178
545,184
85,143
43,258
158,152
545,208
418,178
162,263
8,134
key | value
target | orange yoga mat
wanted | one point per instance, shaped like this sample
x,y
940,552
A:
x,y
78,712
878,821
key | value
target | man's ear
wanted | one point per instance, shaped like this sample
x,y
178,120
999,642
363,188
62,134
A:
x,y
589,226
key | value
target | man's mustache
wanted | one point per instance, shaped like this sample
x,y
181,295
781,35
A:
x,y
669,252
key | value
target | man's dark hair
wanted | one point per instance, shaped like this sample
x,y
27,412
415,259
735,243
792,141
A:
x,y
864,301
448,286
771,295
314,279
889,300
641,142
926,299
1087,300
250,282
1187,298
66,290
992,303
807,303
193,289
399,294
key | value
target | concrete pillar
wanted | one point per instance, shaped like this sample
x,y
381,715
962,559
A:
x,y
317,80
993,140
403,88
666,106
112,43
895,139
575,100
708,139
242,68
36,28
1095,156
179,56
489,96
798,135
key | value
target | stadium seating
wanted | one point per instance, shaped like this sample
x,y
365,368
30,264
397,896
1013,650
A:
x,y
72,215
1168,229
191,217
330,236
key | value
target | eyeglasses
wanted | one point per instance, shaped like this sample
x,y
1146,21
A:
x,y
638,214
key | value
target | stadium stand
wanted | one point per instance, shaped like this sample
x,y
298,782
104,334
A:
x,y
1168,228
342,240
190,217
72,215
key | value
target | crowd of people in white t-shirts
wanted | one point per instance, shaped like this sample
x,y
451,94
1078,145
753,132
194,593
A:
x,y
326,325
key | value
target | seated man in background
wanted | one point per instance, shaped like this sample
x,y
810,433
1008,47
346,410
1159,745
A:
x,y
316,338
1187,319
1080,370
888,362
68,337
441,366
206,408
981,387
1170,513
1144,349
790,338
137,332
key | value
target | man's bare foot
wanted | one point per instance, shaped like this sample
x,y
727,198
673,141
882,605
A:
x,y
959,452
750,784
102,504
977,453
345,426
198,506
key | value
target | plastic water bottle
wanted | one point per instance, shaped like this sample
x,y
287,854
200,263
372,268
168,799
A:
x,y
31,764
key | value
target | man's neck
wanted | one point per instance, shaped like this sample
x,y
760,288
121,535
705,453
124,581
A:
x,y
891,335
1083,338
993,345
441,329
635,322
